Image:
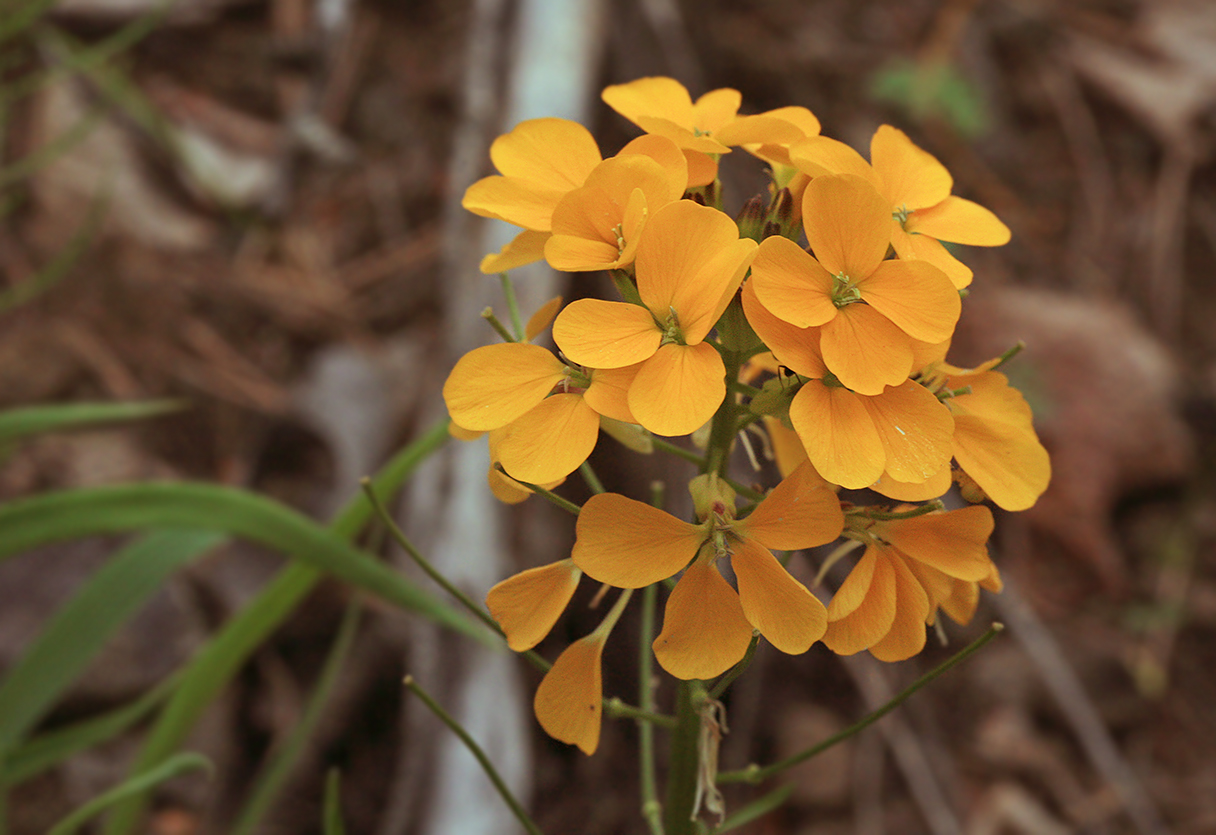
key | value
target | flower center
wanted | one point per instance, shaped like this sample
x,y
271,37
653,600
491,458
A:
x,y
901,214
844,291
671,329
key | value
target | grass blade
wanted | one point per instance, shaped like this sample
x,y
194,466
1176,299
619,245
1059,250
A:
x,y
83,625
73,514
33,420
170,768
332,823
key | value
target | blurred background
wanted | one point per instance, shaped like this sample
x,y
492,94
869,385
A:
x,y
254,205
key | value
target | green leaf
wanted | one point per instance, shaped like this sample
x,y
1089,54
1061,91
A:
x,y
53,747
934,90
170,768
265,791
215,665
333,804
73,514
82,626
14,22
33,420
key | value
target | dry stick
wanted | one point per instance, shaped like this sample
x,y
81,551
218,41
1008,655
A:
x,y
1070,695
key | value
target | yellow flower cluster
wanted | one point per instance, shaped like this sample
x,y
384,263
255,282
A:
x,y
844,337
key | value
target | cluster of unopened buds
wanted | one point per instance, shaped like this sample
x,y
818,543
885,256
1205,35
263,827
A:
x,y
813,327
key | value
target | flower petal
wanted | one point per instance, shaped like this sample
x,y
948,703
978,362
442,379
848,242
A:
x,y
912,177
800,512
916,431
558,153
960,221
704,630
521,202
866,607
912,247
715,109
542,318
918,297
955,542
550,441
905,491
794,347
865,349
525,248
608,393
628,544
906,637
651,96
603,334
493,385
819,155
787,279
787,615
570,697
678,389
691,259
838,434
527,605
848,224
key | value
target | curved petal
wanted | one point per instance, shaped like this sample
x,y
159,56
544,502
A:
x,y
955,542
794,347
570,697
715,109
848,224
906,637
787,447
916,431
527,605
912,177
819,155
704,630
557,153
800,512
702,168
628,544
678,389
960,221
995,442
867,605
838,434
527,247
918,297
663,151
651,96
787,279
922,247
493,385
786,614
905,491
550,441
542,318
608,393
865,349
686,138
602,334
573,254
516,201
691,259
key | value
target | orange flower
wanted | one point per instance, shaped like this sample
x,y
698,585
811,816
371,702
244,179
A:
x,y
870,311
544,415
994,438
541,161
917,188
689,264
902,433
663,106
527,604
892,592
598,225
708,625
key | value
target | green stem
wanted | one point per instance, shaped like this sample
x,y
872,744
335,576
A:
x,y
755,774
652,810
593,481
508,290
678,812
476,751
885,516
617,709
678,451
401,539
564,504
499,327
